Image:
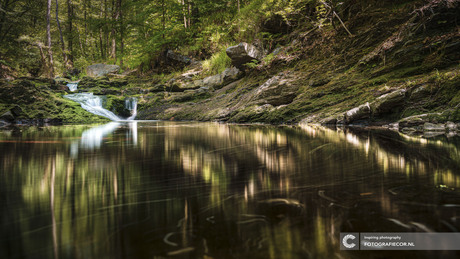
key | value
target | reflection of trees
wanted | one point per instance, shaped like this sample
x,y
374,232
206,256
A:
x,y
201,188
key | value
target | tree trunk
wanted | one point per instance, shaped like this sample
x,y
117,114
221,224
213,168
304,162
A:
x,y
64,51
101,32
120,14
48,41
70,32
113,53
184,11
189,10
238,5
85,3
163,20
106,29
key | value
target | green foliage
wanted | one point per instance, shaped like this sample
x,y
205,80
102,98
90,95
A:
x,y
253,64
217,63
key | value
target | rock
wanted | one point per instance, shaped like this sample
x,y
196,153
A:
x,y
275,91
318,82
329,121
4,123
243,53
211,82
72,72
419,120
387,102
177,58
98,70
420,93
393,126
275,24
358,113
340,119
433,127
227,76
450,126
17,111
263,108
7,116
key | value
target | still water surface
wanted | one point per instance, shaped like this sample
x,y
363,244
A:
x,y
208,190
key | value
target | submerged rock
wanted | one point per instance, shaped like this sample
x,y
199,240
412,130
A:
x,y
98,70
243,53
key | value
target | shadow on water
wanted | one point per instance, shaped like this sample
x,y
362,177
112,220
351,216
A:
x,y
190,190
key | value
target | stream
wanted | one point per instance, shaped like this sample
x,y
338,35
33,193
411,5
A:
x,y
159,189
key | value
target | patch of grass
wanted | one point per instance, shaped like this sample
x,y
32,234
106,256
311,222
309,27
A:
x,y
217,63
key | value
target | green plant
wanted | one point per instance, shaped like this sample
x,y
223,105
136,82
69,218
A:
x,y
253,64
217,63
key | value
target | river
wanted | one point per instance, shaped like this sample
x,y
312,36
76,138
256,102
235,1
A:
x,y
209,190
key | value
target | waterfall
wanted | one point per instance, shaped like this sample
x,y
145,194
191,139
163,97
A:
x,y
72,86
131,105
93,104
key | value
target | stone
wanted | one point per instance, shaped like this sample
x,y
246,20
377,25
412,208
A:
x,y
329,121
433,127
450,126
7,116
393,126
211,82
387,102
420,93
98,70
276,91
361,112
72,72
243,53
177,58
227,76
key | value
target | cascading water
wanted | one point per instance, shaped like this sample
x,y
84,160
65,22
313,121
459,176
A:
x,y
72,86
93,104
131,105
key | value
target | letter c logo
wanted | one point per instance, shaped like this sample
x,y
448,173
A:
x,y
345,241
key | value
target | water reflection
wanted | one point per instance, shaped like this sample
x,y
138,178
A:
x,y
164,189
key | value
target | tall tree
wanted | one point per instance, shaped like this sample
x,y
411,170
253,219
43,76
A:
x,y
64,51
48,40
120,12
113,53
70,29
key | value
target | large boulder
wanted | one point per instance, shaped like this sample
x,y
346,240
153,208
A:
x,y
243,53
276,91
98,70
358,113
387,102
177,58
